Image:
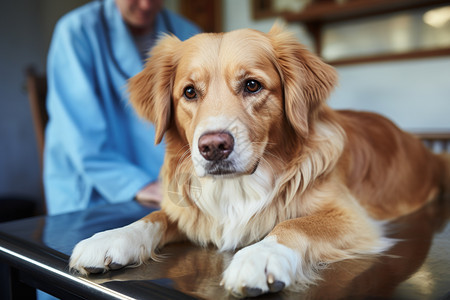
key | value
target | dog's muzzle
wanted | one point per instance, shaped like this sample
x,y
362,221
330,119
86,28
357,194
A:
x,y
216,147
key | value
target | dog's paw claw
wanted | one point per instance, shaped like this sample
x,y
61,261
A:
x,y
115,266
252,292
94,270
276,286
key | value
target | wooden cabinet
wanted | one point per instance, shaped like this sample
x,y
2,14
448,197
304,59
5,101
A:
x,y
207,14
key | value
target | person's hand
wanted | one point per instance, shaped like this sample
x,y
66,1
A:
x,y
150,195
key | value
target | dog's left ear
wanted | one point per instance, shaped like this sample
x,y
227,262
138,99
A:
x,y
307,80
151,89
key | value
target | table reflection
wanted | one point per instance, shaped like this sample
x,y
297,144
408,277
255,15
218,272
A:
x,y
416,267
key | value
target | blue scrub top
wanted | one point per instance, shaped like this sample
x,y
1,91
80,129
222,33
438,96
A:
x,y
97,150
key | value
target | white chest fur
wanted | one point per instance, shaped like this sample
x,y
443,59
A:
x,y
229,204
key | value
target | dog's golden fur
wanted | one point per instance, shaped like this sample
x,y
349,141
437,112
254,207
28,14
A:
x,y
306,177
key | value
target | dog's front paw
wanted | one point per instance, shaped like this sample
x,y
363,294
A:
x,y
114,249
266,266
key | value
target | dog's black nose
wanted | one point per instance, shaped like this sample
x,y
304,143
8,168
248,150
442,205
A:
x,y
215,146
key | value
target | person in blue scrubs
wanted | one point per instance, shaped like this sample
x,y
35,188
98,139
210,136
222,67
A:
x,y
97,150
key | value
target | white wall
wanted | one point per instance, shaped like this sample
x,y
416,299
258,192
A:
x,y
414,93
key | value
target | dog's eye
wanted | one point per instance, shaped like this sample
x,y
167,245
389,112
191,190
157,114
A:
x,y
190,93
252,86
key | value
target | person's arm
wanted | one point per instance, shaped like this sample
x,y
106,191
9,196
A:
x,y
77,108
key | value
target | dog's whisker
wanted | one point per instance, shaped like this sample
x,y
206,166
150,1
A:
x,y
186,154
276,157
183,149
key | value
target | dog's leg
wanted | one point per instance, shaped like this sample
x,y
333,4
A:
x,y
129,245
294,251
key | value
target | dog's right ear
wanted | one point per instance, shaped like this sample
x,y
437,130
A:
x,y
151,89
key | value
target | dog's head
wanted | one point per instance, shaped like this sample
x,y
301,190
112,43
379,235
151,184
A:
x,y
229,95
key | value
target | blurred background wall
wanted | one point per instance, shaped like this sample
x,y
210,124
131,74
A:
x,y
26,27
415,93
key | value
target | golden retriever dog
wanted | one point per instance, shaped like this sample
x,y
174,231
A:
x,y
257,162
